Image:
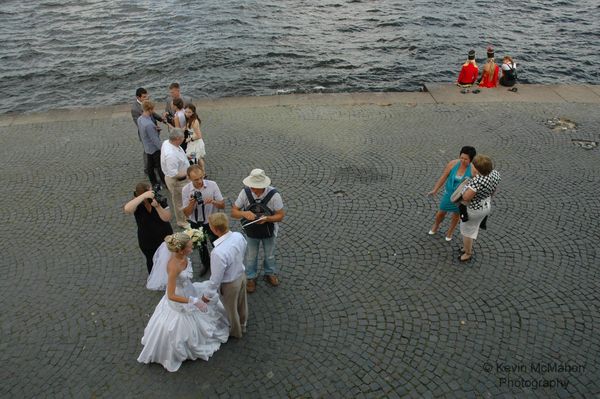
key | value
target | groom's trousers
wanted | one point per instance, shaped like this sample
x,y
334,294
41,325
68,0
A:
x,y
233,296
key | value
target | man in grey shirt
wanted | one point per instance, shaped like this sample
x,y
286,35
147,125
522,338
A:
x,y
142,95
149,135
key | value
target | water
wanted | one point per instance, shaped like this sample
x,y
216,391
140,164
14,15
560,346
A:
x,y
96,52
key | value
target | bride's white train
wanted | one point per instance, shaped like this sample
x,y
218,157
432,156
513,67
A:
x,y
180,331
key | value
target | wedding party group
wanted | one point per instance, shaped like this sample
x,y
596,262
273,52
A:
x,y
193,319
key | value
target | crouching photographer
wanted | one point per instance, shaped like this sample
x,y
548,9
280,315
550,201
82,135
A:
x,y
201,198
152,217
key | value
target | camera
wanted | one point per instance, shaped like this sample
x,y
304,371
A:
x,y
170,118
159,198
198,197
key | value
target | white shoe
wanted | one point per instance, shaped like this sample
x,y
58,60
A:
x,y
448,239
431,232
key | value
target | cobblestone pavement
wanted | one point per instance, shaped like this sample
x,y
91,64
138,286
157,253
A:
x,y
369,306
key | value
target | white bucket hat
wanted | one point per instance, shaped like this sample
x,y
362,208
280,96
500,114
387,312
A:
x,y
257,179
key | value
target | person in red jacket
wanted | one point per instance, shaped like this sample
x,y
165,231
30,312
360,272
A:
x,y
489,77
469,71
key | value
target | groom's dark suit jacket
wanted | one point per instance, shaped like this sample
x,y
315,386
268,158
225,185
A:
x,y
136,111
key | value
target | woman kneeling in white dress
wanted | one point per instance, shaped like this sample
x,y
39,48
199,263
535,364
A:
x,y
182,326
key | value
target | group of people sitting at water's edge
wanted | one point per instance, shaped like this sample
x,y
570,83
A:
x,y
490,76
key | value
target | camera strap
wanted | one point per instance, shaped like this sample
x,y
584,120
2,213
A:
x,y
203,214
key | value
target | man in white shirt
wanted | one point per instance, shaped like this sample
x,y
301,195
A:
x,y
201,198
228,273
174,164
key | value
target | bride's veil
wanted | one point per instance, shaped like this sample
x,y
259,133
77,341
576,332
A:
x,y
157,280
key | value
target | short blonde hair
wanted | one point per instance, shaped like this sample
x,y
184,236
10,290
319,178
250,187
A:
x,y
219,222
483,164
148,106
195,168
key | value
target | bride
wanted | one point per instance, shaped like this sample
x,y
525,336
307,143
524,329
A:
x,y
182,326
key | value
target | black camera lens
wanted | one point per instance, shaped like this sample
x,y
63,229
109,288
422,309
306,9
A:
x,y
198,197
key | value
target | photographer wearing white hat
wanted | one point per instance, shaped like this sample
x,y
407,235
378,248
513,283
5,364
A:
x,y
260,207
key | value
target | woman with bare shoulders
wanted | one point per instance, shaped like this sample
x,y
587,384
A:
x,y
454,173
190,321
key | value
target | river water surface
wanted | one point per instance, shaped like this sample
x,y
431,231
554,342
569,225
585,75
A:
x,y
96,52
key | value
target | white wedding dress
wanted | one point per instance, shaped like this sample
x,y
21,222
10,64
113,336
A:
x,y
178,331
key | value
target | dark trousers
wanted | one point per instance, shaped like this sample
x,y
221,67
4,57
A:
x,y
507,82
154,163
145,157
203,248
149,254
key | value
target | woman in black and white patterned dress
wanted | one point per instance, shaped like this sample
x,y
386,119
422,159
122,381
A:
x,y
478,194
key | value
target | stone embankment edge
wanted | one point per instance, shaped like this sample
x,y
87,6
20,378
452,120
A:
x,y
433,93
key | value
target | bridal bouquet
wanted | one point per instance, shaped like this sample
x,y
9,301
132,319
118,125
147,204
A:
x,y
197,236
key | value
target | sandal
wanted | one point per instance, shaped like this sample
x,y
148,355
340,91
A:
x,y
476,91
464,91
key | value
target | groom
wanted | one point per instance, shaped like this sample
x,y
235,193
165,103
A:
x,y
228,274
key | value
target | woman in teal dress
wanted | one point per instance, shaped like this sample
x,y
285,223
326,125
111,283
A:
x,y
455,172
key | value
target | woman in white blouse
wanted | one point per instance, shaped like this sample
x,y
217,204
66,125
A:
x,y
478,196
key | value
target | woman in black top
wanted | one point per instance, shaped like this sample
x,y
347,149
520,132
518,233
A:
x,y
509,72
152,220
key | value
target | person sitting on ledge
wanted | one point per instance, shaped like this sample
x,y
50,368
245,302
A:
x,y
509,72
469,71
489,77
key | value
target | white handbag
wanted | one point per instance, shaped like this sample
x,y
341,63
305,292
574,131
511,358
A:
x,y
456,196
196,146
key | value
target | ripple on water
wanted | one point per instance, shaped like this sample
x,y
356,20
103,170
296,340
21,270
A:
x,y
233,47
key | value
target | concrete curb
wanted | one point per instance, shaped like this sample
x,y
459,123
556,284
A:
x,y
435,93
444,93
